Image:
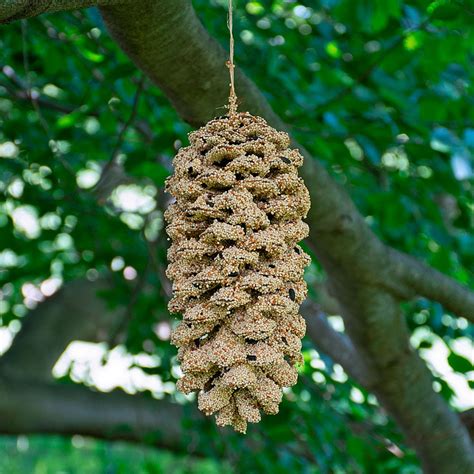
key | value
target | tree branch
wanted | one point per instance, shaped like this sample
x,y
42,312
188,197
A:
x,y
11,10
28,407
467,417
336,345
403,384
422,280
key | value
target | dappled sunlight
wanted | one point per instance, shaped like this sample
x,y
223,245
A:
x,y
25,220
8,150
87,178
93,364
6,338
437,356
134,199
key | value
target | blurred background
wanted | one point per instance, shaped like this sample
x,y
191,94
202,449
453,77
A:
x,y
381,91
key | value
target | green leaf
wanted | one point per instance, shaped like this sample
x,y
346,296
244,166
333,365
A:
x,y
459,363
333,50
68,120
91,56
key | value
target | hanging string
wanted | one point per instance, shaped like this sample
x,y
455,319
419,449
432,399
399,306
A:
x,y
230,64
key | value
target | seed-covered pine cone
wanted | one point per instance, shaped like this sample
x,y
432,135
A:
x,y
236,268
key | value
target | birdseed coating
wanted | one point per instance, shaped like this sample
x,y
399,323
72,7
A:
x,y
236,268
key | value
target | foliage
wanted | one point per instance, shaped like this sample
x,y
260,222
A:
x,y
39,455
380,92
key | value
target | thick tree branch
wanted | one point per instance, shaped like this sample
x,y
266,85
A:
x,y
11,10
336,345
403,384
327,303
467,418
28,407
422,280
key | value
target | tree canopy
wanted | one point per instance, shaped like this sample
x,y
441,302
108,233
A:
x,y
378,95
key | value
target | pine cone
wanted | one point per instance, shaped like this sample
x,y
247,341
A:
x,y
236,266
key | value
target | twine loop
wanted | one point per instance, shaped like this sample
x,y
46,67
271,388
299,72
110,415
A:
x,y
230,64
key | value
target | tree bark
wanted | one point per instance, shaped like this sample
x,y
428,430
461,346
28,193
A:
x,y
420,279
11,10
337,345
403,385
28,407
